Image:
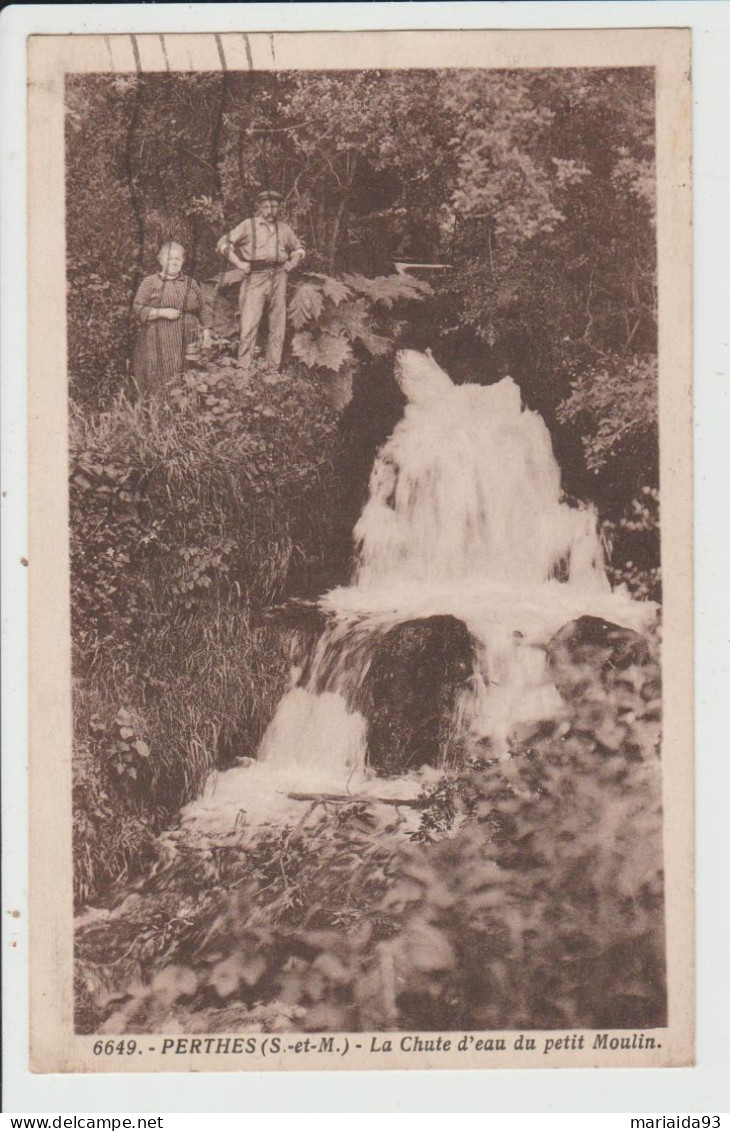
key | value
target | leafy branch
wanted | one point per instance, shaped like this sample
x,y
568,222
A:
x,y
333,315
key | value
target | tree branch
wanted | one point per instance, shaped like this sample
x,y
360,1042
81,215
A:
x,y
282,129
358,799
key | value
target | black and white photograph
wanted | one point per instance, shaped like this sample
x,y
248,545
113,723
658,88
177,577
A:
x,y
371,602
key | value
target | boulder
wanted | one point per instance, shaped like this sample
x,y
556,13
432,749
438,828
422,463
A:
x,y
410,692
592,644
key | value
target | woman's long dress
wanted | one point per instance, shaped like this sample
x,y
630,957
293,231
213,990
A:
x,y
161,345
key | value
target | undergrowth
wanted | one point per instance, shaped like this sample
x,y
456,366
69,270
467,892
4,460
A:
x,y
188,519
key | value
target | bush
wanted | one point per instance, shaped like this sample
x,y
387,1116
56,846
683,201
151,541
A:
x,y
187,520
99,333
333,315
550,899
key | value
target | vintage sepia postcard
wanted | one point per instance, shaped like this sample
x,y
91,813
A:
x,y
361,593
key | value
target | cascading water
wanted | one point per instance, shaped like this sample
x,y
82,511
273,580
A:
x,y
464,520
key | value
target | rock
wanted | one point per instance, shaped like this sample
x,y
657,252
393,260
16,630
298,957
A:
x,y
305,616
410,691
303,622
592,644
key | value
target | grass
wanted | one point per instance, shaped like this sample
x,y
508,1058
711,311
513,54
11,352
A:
x,y
187,524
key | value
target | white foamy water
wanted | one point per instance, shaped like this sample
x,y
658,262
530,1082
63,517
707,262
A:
x,y
467,488
464,518
320,721
244,799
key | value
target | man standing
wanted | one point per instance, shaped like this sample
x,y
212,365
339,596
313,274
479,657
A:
x,y
266,250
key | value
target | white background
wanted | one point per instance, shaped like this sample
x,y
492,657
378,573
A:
x,y
704,1088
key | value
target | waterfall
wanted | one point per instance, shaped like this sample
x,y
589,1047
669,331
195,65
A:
x,y
467,490
464,518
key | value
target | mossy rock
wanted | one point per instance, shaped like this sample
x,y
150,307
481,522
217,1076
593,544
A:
x,y
592,644
411,689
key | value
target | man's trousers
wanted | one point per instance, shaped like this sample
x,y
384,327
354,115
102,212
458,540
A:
x,y
263,290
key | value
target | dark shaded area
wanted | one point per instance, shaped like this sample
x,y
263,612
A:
x,y
376,407
410,692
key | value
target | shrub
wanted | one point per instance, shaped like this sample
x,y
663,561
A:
x,y
551,915
99,338
332,315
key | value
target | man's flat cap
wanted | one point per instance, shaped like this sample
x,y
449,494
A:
x,y
268,194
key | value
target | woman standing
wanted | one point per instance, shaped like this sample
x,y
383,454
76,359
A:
x,y
171,309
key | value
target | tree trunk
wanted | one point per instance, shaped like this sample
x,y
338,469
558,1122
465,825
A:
x,y
341,214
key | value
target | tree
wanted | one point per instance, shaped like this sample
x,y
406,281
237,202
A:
x,y
359,156
554,237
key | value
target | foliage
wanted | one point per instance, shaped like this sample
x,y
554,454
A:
x,y
553,245
634,542
331,316
187,520
615,405
100,250
554,212
360,156
111,841
518,179
531,897
335,319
